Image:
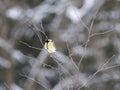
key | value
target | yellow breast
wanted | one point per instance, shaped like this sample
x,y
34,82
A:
x,y
49,46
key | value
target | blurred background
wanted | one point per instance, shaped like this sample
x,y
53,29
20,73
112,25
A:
x,y
87,37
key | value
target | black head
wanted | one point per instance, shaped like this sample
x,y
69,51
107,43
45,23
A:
x,y
48,40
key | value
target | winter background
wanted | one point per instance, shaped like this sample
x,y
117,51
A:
x,y
87,37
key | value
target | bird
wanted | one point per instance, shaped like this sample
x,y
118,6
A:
x,y
50,46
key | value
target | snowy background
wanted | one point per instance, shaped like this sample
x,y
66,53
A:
x,y
87,37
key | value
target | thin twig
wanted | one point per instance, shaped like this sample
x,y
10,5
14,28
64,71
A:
x,y
34,81
59,69
43,31
71,57
95,34
29,45
39,36
44,64
111,67
100,69
88,39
